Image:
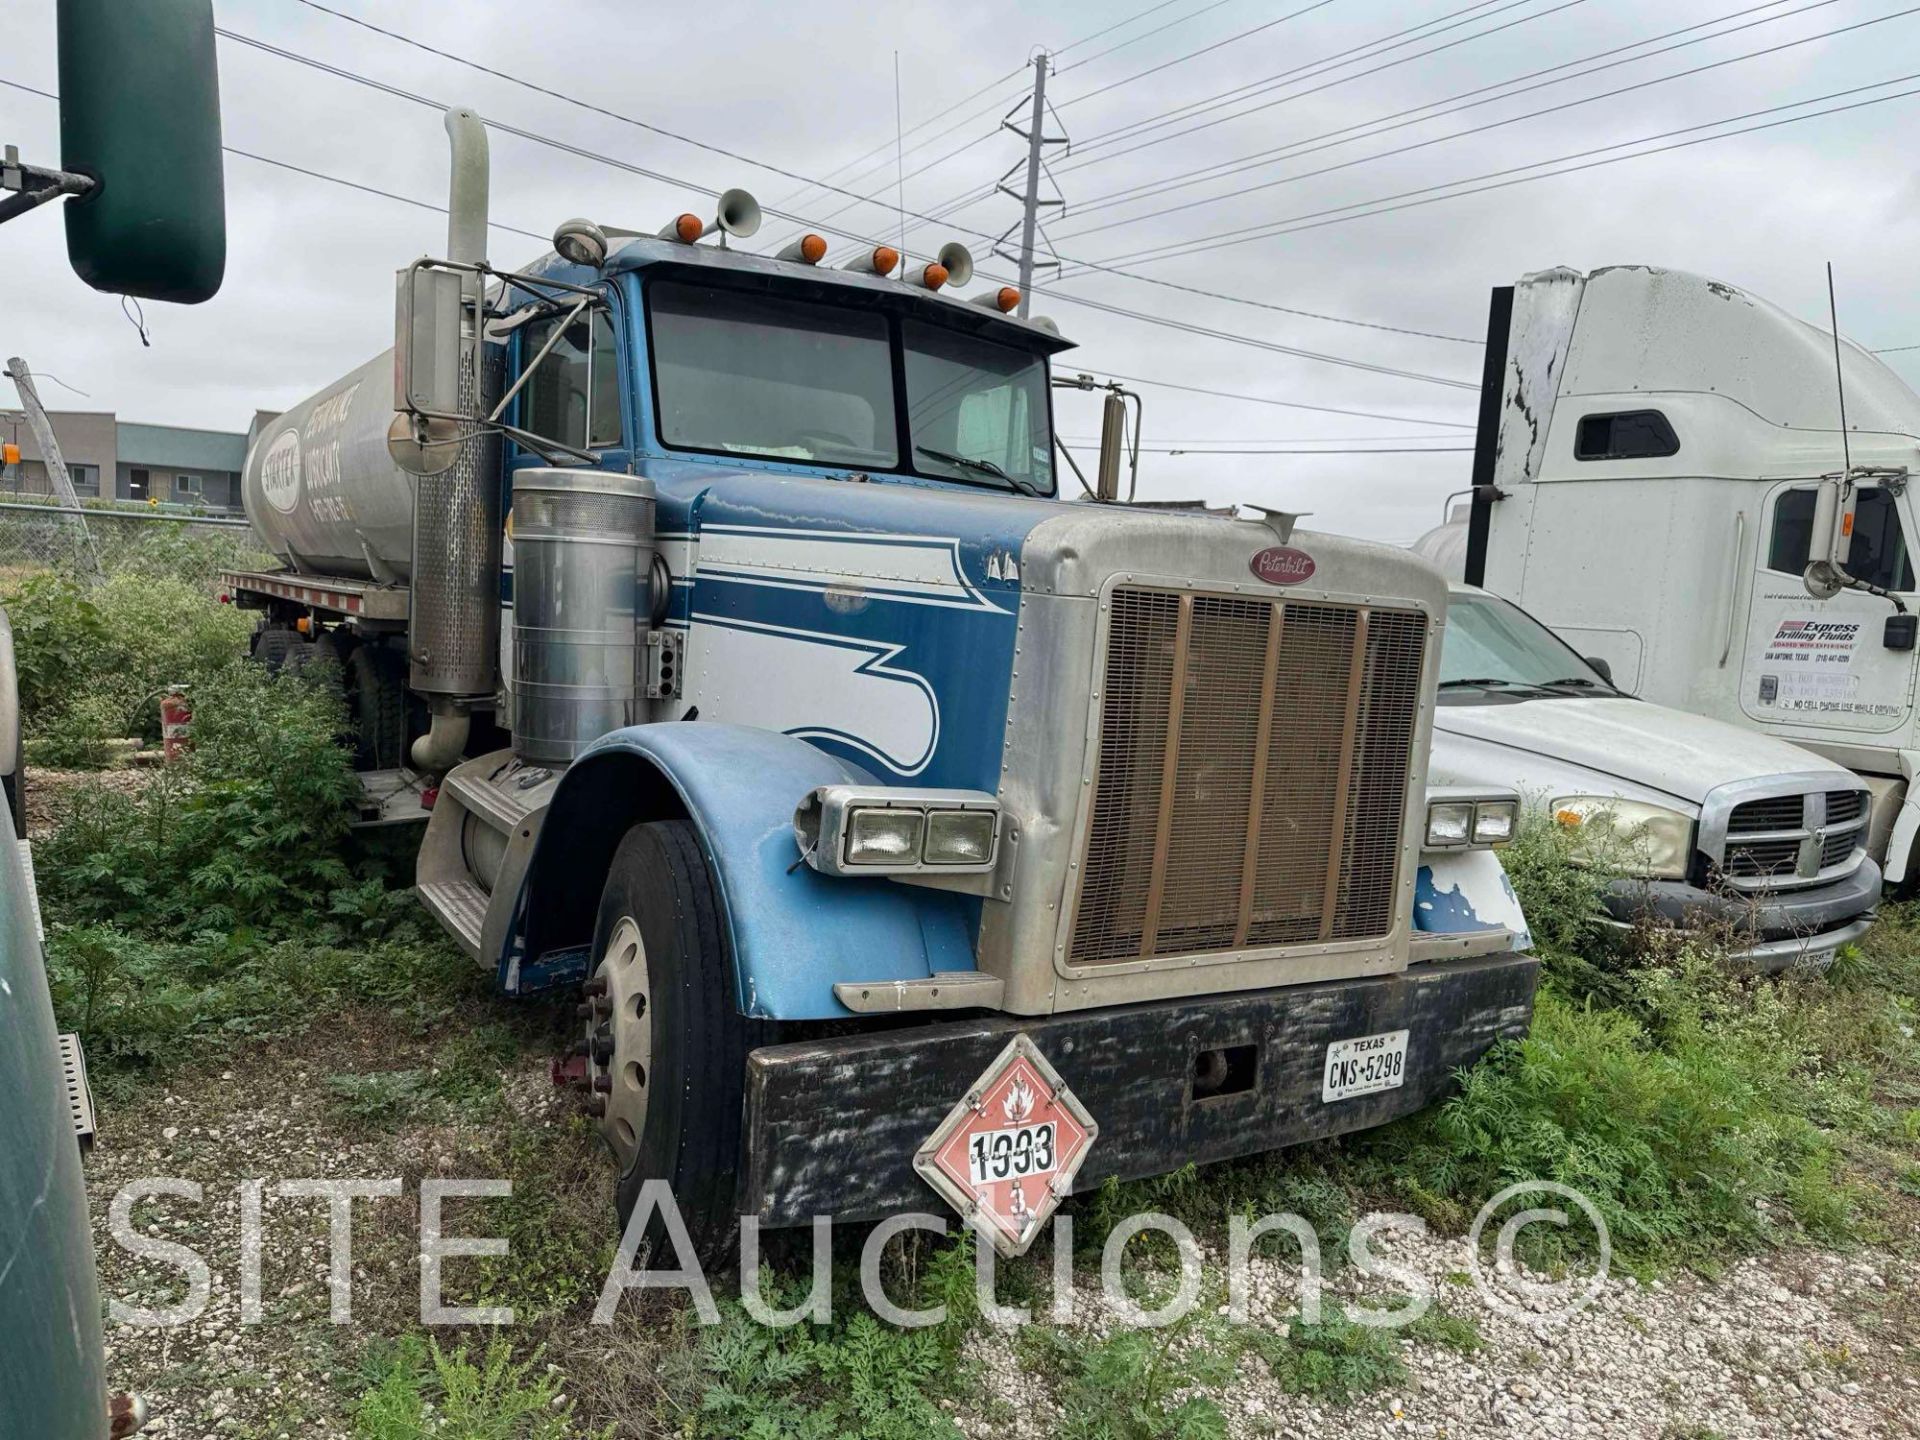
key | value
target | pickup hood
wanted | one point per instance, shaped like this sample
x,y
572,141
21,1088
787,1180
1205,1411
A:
x,y
1627,741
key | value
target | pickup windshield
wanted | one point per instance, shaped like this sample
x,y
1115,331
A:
x,y
753,374
1491,645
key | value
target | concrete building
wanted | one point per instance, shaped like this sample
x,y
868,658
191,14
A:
x,y
116,459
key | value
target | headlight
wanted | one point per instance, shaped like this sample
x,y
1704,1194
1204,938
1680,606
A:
x,y
884,837
1494,821
870,830
959,837
1645,840
1461,817
1449,823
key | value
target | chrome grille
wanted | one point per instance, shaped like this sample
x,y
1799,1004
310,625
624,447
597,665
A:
x,y
1252,777
1780,841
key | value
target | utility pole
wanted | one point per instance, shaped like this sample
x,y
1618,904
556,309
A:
x,y
50,456
1029,195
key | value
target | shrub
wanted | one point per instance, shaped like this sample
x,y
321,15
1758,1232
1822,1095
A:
x,y
251,836
1681,1144
416,1390
94,661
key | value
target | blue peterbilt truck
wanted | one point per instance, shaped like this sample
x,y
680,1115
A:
x,y
765,687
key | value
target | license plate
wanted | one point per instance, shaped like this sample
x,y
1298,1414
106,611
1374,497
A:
x,y
1012,1154
1365,1064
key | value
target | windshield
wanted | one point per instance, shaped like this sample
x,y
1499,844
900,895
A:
x,y
753,375
971,404
1490,640
742,373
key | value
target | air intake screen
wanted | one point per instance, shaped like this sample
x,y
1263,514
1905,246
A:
x,y
1252,778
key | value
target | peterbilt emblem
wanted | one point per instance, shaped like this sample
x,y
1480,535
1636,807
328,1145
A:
x,y
1282,565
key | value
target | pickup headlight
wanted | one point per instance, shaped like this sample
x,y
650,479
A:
x,y
1648,841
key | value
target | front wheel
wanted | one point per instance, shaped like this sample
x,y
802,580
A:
x,y
667,1045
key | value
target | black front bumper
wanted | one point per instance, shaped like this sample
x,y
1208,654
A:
x,y
833,1125
1773,928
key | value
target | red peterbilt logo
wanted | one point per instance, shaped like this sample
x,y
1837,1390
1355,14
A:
x,y
1282,565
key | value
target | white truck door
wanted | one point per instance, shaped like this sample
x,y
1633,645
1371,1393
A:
x,y
1822,664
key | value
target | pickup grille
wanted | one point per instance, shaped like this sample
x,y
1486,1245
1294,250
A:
x,y
1781,841
1252,776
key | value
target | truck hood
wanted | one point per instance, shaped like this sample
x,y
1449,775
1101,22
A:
x,y
1623,740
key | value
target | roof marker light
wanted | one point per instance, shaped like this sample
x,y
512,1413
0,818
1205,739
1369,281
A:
x,y
880,260
807,250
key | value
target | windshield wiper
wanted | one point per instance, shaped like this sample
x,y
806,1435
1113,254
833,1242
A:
x,y
1578,682
1488,682
982,467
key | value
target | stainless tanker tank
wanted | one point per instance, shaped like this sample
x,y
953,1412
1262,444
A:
x,y
321,490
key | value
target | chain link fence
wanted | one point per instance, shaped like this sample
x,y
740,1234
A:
x,y
37,538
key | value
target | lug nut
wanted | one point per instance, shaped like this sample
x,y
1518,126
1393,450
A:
x,y
596,987
602,1049
603,1083
596,1106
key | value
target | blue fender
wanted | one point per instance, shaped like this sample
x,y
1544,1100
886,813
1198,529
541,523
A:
x,y
793,931
1466,890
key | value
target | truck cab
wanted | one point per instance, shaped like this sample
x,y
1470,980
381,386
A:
x,y
779,707
1648,482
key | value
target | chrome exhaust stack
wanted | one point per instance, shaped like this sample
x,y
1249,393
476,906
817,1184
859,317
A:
x,y
453,631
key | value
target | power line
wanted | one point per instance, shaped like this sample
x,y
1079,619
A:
x,y
1502,123
1232,337
1311,220
1376,450
1143,35
1284,404
582,152
1131,379
1203,50
1894,350
1293,149
1307,70
1368,50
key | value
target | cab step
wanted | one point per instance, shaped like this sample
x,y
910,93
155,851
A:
x,y
73,1075
461,906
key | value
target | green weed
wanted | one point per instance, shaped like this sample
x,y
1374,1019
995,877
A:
x,y
416,1390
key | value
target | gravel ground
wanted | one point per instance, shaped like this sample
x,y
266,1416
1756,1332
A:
x,y
1794,1344
48,792
1798,1344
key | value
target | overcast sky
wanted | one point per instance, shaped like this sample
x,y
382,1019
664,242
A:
x,y
809,88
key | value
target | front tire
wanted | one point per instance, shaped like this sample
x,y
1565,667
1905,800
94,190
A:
x,y
667,1048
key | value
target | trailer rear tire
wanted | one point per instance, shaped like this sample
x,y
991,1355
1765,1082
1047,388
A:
x,y
379,707
676,1079
272,647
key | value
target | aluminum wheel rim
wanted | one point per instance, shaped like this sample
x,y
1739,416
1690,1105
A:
x,y
628,1022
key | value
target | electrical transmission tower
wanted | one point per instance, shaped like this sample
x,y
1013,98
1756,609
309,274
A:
x,y
1029,196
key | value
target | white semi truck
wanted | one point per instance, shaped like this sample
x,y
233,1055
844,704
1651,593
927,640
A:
x,y
841,766
1662,476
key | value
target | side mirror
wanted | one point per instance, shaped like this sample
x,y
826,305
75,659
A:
x,y
1831,539
1901,631
140,118
1600,667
